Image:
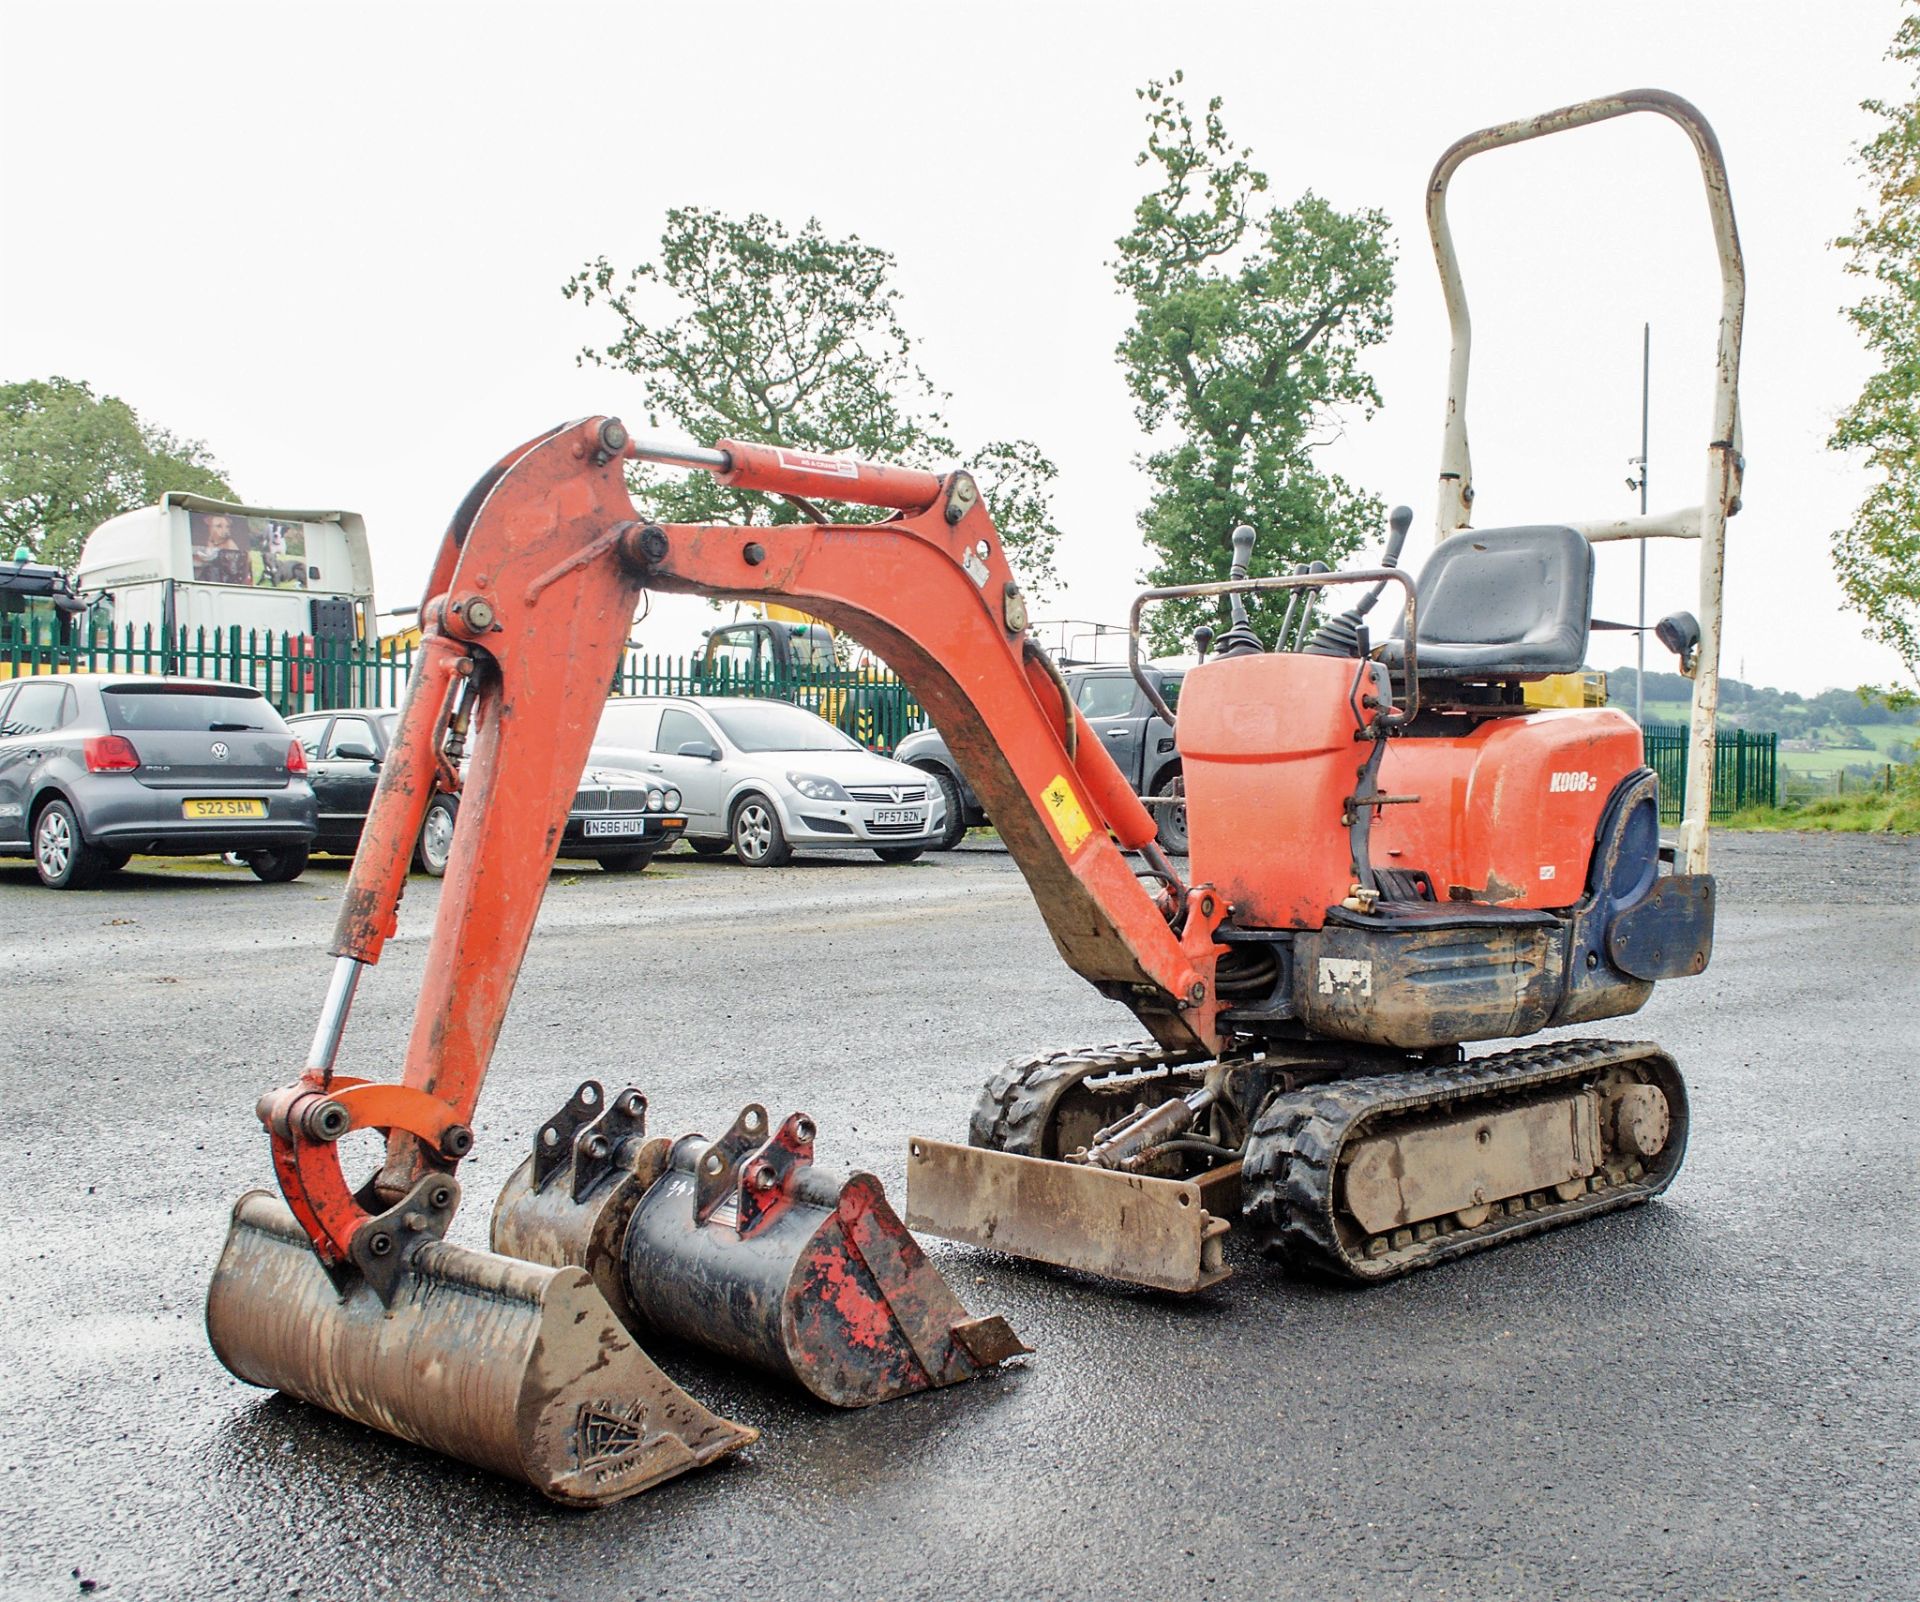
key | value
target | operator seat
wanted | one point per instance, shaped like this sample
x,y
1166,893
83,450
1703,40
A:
x,y
1502,605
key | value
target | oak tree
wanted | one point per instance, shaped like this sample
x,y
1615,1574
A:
x,y
1249,324
69,460
1877,555
792,339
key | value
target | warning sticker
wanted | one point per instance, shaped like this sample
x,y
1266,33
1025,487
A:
x,y
1069,817
830,466
1346,976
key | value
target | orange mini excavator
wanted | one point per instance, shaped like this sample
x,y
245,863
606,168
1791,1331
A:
x,y
1392,856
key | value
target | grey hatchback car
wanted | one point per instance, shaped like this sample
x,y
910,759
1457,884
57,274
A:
x,y
95,768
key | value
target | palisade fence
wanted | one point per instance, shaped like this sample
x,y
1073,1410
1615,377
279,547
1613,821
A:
x,y
301,674
1746,769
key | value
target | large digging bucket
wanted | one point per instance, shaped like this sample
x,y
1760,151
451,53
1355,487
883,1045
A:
x,y
742,1246
512,1366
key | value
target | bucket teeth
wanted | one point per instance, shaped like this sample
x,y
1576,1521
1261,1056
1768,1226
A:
x,y
741,1245
515,1367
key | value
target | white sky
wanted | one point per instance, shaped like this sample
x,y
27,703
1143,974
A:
x,y
329,239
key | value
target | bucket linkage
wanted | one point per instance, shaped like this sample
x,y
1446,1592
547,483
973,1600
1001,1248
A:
x,y
741,1245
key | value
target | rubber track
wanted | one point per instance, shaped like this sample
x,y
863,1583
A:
x,y
1287,1181
1016,1106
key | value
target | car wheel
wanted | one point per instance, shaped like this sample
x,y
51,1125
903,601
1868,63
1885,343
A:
x,y
625,862
63,857
710,848
436,838
278,867
956,826
1172,821
758,839
899,853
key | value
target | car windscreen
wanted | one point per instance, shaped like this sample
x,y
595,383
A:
x,y
775,726
184,706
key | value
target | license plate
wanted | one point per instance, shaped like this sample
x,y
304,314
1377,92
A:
x,y
223,807
911,815
599,828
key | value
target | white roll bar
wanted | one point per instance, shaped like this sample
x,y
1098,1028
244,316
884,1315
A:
x,y
1706,522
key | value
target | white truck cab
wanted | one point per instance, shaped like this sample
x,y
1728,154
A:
x,y
190,563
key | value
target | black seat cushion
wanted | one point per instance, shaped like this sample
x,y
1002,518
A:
x,y
1503,603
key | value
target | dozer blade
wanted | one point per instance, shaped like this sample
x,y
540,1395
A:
x,y
515,1367
1132,1227
742,1246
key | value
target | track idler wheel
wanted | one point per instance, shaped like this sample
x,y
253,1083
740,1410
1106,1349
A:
x,y
513,1366
742,1246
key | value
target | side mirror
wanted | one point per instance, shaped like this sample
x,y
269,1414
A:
x,y
355,753
1679,632
700,748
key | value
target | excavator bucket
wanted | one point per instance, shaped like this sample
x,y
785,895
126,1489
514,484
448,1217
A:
x,y
741,1245
512,1366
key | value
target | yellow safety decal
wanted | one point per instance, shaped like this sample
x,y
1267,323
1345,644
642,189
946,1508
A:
x,y
1069,817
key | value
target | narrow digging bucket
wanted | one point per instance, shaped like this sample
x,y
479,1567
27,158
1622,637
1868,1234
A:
x,y
512,1366
743,1247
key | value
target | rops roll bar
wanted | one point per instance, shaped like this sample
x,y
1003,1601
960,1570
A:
x,y
1706,522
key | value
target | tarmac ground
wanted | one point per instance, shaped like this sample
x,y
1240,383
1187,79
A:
x,y
1710,1396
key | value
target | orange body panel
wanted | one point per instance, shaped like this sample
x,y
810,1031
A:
x,y
1507,811
1268,751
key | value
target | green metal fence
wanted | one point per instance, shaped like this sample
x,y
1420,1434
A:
x,y
1746,769
300,674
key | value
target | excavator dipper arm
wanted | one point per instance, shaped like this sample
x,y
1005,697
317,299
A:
x,y
930,590
527,613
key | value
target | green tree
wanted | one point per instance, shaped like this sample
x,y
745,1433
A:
x,y
1248,329
1878,554
795,340
69,460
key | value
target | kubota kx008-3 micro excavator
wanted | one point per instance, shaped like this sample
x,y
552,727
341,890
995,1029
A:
x,y
1392,856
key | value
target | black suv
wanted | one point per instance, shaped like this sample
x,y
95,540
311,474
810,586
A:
x,y
1138,739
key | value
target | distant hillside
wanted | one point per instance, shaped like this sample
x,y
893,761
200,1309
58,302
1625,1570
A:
x,y
1833,717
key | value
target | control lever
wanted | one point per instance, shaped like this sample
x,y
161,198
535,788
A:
x,y
1240,640
1306,597
1344,635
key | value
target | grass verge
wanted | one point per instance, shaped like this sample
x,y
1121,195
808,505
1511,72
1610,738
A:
x,y
1895,811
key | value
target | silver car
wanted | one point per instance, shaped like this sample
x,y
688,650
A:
x,y
764,777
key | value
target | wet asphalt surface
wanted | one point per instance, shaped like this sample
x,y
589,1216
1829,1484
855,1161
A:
x,y
1713,1396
